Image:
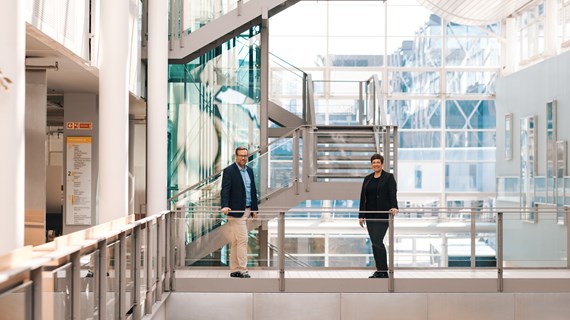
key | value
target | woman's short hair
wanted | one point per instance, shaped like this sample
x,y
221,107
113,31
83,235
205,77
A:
x,y
377,156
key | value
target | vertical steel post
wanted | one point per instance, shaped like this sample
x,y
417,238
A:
x,y
281,237
136,269
500,251
472,233
120,272
391,254
296,157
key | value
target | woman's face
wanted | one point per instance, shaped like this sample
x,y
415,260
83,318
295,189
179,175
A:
x,y
377,165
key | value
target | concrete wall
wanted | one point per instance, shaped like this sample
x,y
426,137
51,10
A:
x,y
362,306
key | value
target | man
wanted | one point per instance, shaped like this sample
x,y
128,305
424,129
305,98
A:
x,y
239,203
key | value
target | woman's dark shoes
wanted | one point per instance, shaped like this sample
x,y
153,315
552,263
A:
x,y
379,274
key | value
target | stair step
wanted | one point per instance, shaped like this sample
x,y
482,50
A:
x,y
349,128
344,165
345,134
343,157
335,175
343,140
346,149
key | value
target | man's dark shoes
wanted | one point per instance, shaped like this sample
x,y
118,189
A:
x,y
238,274
379,274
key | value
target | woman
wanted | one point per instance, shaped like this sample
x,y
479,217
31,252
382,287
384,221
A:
x,y
378,194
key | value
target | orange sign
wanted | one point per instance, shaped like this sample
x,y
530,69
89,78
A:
x,y
79,125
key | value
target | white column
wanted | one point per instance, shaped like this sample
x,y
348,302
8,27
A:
x,y
113,111
551,28
157,106
12,124
510,56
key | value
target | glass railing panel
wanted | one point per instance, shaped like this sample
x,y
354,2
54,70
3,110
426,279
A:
x,y
508,189
566,190
153,256
56,292
89,276
143,262
537,242
445,239
198,13
129,272
337,102
486,241
16,304
286,85
332,238
113,280
322,238
540,189
274,170
214,248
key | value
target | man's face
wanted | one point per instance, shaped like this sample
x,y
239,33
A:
x,y
241,157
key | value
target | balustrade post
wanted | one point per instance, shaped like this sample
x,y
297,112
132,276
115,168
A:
x,y
500,251
472,234
281,250
391,254
296,161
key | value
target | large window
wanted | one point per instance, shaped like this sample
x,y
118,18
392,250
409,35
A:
x,y
437,81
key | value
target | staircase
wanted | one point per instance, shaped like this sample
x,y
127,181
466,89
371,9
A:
x,y
186,46
343,152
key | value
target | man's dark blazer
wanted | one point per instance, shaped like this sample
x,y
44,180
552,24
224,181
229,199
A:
x,y
233,190
387,191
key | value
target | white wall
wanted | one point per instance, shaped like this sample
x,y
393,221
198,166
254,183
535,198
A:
x,y
526,93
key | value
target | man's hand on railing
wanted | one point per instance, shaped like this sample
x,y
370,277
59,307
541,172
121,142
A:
x,y
394,211
254,215
361,222
226,210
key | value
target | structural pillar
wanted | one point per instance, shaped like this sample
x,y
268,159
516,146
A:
x,y
263,131
113,111
12,124
36,119
157,138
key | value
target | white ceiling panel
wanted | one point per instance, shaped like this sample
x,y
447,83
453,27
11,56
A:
x,y
471,12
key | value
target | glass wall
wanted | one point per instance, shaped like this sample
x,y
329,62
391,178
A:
x,y
437,82
213,108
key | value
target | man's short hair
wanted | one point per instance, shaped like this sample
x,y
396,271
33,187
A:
x,y
239,149
377,156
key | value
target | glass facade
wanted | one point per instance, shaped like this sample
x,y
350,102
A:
x,y
437,81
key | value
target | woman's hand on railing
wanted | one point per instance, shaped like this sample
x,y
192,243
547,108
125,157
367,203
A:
x,y
254,215
361,222
226,210
393,211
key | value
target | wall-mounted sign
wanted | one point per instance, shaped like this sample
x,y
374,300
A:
x,y
79,125
78,180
